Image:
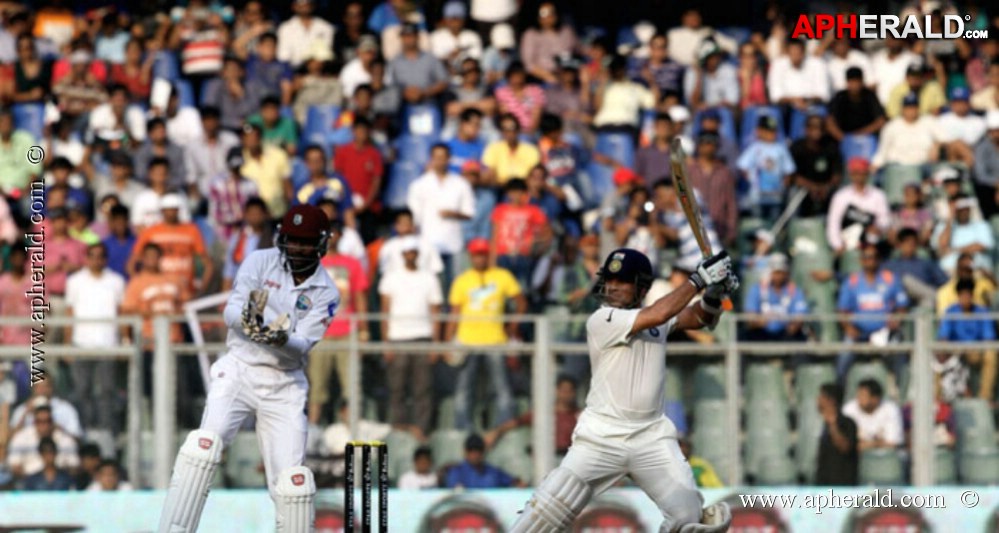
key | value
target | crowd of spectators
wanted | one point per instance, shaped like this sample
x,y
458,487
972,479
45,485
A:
x,y
475,165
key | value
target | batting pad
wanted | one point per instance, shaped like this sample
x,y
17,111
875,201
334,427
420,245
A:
x,y
556,503
714,519
192,476
295,490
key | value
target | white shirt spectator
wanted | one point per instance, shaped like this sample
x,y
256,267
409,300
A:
x,y
428,196
718,88
443,43
884,423
968,129
146,210
809,81
95,297
837,66
105,125
414,480
887,72
338,435
8,228
493,10
621,103
871,200
390,256
353,76
184,129
65,415
205,160
351,244
71,148
411,294
123,486
905,143
684,43
23,451
295,39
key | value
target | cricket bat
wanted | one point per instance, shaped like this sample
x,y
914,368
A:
x,y
678,160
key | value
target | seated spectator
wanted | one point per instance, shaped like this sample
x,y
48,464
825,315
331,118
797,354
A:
x,y
652,160
120,240
775,299
317,85
32,72
509,157
393,13
872,291
470,94
272,74
912,215
136,72
117,120
520,232
567,413
840,59
569,99
796,79
837,461
357,71
672,226
384,97
878,419
228,195
541,44
254,233
889,66
715,83
296,35
930,96
716,185
704,473
64,255
502,51
324,185
90,461
452,42
118,181
986,99
907,139
544,193
235,96
985,287
79,223
108,478
767,166
959,234
818,167
752,76
277,129
14,143
728,149
959,130
986,168
206,159
480,225
63,141
659,68
50,477
349,33
269,168
422,475
855,110
361,165
475,473
523,100
958,325
183,123
181,243
618,101
201,41
467,144
977,69
920,276
79,91
857,211
24,454
337,435
420,76
62,175
158,145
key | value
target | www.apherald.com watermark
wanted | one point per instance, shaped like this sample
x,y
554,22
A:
x,y
854,26
877,499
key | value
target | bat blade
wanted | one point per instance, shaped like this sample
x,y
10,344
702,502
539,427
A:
x,y
685,193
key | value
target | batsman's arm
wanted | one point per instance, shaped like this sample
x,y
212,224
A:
x,y
665,308
700,315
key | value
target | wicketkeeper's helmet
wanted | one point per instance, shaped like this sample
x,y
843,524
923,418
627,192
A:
x,y
309,226
628,265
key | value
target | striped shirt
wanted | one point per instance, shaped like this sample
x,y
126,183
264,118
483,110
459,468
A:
x,y
226,200
202,53
532,97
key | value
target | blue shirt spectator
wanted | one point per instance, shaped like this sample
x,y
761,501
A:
x,y
766,163
960,234
966,330
775,298
481,223
120,242
474,472
872,291
384,16
463,151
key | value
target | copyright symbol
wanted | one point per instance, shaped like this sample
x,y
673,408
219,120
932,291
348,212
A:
x,y
970,498
35,155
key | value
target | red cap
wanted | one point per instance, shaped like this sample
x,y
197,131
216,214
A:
x,y
858,164
625,175
471,166
305,222
478,245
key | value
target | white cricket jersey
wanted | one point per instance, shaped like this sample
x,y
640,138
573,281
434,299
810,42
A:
x,y
310,306
629,371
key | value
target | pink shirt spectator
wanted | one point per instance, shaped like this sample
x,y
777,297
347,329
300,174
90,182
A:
x,y
67,252
350,279
14,303
523,106
226,200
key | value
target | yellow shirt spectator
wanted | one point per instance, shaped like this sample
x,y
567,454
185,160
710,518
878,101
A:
x,y
947,294
931,98
272,173
480,299
507,163
704,474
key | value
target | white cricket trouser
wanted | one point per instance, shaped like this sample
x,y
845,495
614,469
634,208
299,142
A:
x,y
605,450
276,397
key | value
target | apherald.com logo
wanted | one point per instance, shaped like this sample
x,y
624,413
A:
x,y
883,26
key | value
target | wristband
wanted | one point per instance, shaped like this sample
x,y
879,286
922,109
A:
x,y
697,281
713,306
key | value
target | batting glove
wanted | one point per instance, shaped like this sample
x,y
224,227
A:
x,y
712,270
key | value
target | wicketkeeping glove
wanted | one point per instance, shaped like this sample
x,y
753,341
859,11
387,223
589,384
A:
x,y
712,270
275,333
253,312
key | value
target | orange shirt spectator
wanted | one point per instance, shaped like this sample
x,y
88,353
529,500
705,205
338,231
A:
x,y
181,244
517,225
151,293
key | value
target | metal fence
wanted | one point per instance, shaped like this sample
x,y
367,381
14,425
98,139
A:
x,y
919,346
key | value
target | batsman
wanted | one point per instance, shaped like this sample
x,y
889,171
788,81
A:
x,y
623,430
281,305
